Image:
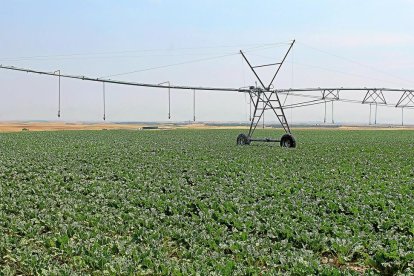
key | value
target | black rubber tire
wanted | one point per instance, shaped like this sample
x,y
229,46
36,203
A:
x,y
242,140
288,141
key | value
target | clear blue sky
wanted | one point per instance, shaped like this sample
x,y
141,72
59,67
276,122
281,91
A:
x,y
101,38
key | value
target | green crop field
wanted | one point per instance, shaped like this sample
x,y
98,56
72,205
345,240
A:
x,y
191,201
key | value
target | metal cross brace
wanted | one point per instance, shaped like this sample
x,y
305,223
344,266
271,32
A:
x,y
406,100
330,94
374,97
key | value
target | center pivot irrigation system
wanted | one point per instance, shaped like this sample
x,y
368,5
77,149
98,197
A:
x,y
263,97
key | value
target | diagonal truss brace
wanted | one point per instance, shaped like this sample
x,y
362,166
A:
x,y
330,94
270,101
406,100
374,96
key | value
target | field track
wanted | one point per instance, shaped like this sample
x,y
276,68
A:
x,y
56,126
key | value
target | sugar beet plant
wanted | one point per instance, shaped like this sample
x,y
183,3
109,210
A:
x,y
192,202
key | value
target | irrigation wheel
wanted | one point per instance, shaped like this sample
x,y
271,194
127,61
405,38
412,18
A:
x,y
288,141
242,140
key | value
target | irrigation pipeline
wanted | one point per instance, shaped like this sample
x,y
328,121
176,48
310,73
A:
x,y
292,92
340,89
123,82
321,100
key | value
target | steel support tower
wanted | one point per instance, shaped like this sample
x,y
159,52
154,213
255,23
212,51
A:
x,y
265,98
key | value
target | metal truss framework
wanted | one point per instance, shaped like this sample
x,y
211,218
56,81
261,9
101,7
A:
x,y
406,100
266,99
263,97
374,96
331,95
